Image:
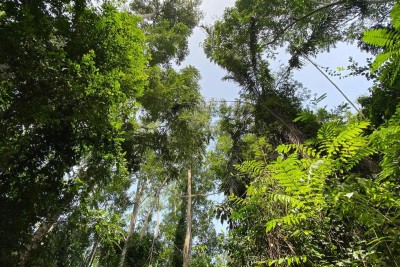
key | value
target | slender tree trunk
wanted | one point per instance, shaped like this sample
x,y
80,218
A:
x,y
187,246
145,227
38,236
157,228
158,218
131,229
90,259
157,203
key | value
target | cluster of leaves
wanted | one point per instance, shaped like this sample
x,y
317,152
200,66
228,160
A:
x,y
168,24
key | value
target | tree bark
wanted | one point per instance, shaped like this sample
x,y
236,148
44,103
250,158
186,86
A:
x,y
131,229
38,236
187,247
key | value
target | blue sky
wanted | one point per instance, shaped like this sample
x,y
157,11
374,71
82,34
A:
x,y
213,87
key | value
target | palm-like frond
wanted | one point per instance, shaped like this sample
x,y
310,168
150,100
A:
x,y
389,39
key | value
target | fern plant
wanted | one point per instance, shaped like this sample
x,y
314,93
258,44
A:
x,y
293,197
389,40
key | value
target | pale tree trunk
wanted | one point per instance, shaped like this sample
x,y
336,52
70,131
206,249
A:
x,y
150,211
38,236
187,246
158,218
131,229
90,259
157,228
146,222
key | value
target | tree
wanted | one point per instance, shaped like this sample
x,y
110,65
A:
x,y
168,25
306,28
203,244
176,120
187,245
171,97
70,74
251,32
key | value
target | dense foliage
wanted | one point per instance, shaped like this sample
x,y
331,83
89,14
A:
x,y
330,199
64,96
109,156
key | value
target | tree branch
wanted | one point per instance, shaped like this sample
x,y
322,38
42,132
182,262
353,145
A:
x,y
296,20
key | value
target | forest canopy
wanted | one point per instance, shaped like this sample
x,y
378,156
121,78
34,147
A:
x,y
110,155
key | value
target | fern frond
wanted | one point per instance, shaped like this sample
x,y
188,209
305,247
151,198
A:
x,y
382,58
327,132
352,132
389,39
395,16
391,69
290,219
252,167
381,37
236,199
306,115
303,149
287,173
286,199
347,146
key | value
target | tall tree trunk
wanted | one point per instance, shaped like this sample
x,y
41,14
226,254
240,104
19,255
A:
x,y
158,218
131,229
38,236
157,228
90,258
187,247
146,222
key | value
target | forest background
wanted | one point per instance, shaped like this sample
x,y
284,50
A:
x,y
109,154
